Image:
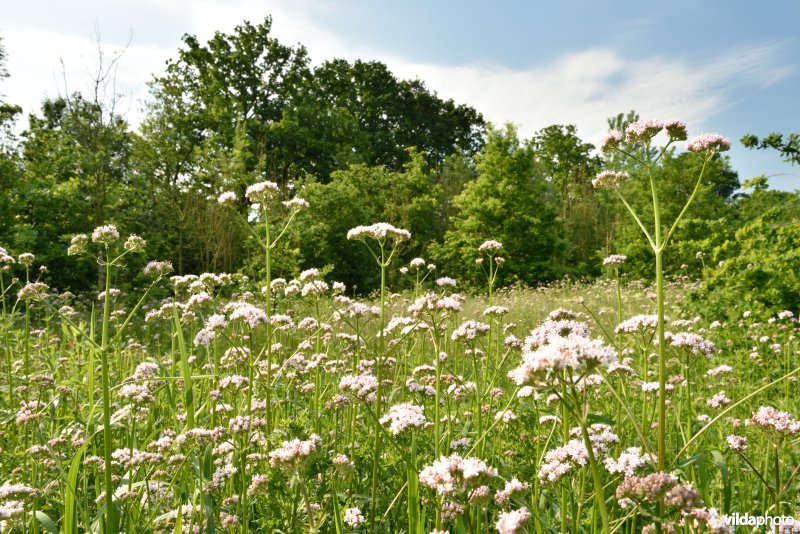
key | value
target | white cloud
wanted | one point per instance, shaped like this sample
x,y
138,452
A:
x,y
587,88
582,88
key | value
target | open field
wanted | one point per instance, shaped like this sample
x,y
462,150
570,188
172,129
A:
x,y
205,413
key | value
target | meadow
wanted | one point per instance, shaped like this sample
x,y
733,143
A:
x,y
223,403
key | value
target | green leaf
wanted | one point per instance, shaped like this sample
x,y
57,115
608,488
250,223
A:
x,y
45,522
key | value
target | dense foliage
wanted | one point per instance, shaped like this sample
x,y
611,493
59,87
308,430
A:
x,y
361,145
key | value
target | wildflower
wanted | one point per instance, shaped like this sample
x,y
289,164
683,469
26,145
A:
x,y
512,486
610,179
709,141
134,243
455,474
642,130
573,352
6,258
737,443
291,454
771,420
695,343
676,130
227,197
353,517
446,281
105,234
432,303
363,386
719,370
505,415
157,268
469,330
573,454
379,231
495,311
262,191
553,328
248,313
343,463
26,259
490,245
296,204
78,244
512,522
628,462
720,399
33,291
402,417
138,393
611,141
614,259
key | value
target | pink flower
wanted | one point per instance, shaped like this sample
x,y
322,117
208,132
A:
x,y
611,141
609,179
512,522
709,141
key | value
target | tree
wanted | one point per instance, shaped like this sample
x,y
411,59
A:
x,y
567,163
510,201
9,160
789,149
242,82
362,195
75,178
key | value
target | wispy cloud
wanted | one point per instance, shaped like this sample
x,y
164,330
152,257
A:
x,y
586,88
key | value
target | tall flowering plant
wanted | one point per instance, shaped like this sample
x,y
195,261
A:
x,y
640,146
388,239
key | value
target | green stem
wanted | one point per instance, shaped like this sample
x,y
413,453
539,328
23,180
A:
x,y
108,445
378,393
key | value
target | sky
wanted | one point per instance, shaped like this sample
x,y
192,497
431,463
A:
x,y
731,67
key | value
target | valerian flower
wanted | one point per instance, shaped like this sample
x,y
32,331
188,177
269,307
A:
x,y
379,231
262,191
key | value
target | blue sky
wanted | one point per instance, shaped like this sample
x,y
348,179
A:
x,y
731,67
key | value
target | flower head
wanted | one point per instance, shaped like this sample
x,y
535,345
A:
x,y
614,259
676,130
296,204
26,259
709,141
78,245
105,234
402,417
643,130
609,179
490,245
262,191
228,197
611,141
134,243
380,231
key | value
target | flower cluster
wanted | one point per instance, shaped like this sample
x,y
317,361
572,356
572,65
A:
x,y
106,234
610,179
291,454
614,259
259,192
380,231
774,422
454,474
402,417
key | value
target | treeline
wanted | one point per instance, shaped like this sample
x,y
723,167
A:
x,y
360,145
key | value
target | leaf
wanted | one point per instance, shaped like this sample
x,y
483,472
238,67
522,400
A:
x,y
45,522
70,518
719,461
